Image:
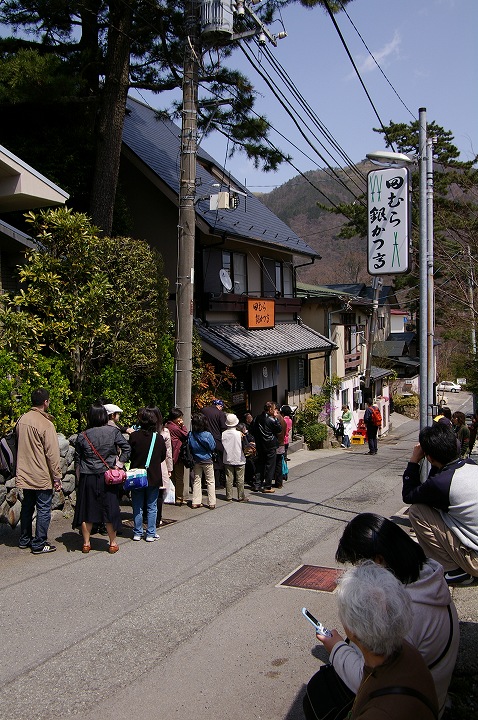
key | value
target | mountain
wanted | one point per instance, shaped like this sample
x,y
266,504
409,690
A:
x,y
295,202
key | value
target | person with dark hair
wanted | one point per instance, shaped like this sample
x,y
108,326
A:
x,y
375,611
38,471
372,427
444,416
462,431
251,450
434,629
97,502
216,424
266,429
347,418
178,433
141,441
203,445
444,509
473,429
167,464
286,412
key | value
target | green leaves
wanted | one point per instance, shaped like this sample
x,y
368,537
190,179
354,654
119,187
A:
x,y
89,301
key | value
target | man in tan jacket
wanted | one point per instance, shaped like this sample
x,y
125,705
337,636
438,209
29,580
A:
x,y
38,471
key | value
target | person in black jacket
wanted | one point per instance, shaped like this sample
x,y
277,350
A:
x,y
140,442
266,428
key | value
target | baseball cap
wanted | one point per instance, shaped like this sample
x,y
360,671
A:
x,y
111,409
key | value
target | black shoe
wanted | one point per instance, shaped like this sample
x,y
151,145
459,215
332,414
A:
x,y
25,547
458,577
47,548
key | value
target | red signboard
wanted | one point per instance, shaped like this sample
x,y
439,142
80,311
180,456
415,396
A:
x,y
260,313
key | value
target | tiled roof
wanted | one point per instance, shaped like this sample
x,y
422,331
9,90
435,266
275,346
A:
x,y
407,336
284,340
389,348
376,373
156,141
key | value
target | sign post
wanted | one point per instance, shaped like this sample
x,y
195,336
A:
x,y
389,215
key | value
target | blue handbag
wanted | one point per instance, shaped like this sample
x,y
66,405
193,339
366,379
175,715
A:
x,y
138,478
285,467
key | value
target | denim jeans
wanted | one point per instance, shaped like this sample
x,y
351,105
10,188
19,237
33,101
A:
x,y
137,500
41,500
346,441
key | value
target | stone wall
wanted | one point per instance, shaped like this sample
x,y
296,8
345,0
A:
x,y
63,501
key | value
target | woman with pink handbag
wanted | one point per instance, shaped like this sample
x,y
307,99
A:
x,y
97,449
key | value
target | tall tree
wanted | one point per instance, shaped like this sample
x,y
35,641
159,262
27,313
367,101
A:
x,y
112,46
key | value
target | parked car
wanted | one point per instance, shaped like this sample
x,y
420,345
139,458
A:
x,y
448,386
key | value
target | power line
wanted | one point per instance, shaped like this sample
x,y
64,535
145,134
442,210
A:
x,y
332,17
375,61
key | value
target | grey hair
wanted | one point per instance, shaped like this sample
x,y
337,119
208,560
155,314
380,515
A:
x,y
375,607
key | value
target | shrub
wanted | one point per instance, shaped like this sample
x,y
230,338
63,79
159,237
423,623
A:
x,y
315,434
405,401
309,414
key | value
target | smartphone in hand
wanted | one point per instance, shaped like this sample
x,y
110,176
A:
x,y
319,628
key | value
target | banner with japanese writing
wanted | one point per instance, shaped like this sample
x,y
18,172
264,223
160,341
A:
x,y
388,221
260,313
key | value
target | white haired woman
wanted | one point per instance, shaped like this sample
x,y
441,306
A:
x,y
374,609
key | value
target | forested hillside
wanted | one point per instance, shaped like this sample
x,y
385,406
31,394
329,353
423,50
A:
x,y
295,202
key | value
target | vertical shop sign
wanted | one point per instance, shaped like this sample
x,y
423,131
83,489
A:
x,y
389,235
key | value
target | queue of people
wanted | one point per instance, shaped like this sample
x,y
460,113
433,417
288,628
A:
x,y
394,602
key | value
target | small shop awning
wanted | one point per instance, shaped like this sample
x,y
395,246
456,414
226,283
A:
x,y
233,342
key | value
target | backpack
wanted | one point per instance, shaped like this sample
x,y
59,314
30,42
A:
x,y
185,455
376,416
8,454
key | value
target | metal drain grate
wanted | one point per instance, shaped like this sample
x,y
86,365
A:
x,y
313,577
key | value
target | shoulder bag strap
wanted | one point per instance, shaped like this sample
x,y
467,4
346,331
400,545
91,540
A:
x,y
95,450
403,690
151,447
447,646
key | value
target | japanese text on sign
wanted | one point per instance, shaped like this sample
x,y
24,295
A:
x,y
260,313
388,221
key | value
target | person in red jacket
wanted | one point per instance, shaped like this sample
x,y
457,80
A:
x,y
179,433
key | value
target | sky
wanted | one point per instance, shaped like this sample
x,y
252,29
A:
x,y
427,50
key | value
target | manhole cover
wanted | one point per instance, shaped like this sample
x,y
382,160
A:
x,y
313,577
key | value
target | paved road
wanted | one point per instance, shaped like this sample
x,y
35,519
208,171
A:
x,y
195,625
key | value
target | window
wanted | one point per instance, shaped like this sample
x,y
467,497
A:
x,y
277,278
235,264
381,322
298,375
345,397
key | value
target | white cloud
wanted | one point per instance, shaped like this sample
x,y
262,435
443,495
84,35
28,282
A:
x,y
369,63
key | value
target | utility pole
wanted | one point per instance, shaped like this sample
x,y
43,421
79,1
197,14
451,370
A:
x,y
217,26
187,221
430,282
425,409
376,285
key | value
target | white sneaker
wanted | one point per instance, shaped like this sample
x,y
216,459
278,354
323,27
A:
x,y
152,538
136,538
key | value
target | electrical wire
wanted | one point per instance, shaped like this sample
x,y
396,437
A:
x,y
375,61
271,86
332,17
